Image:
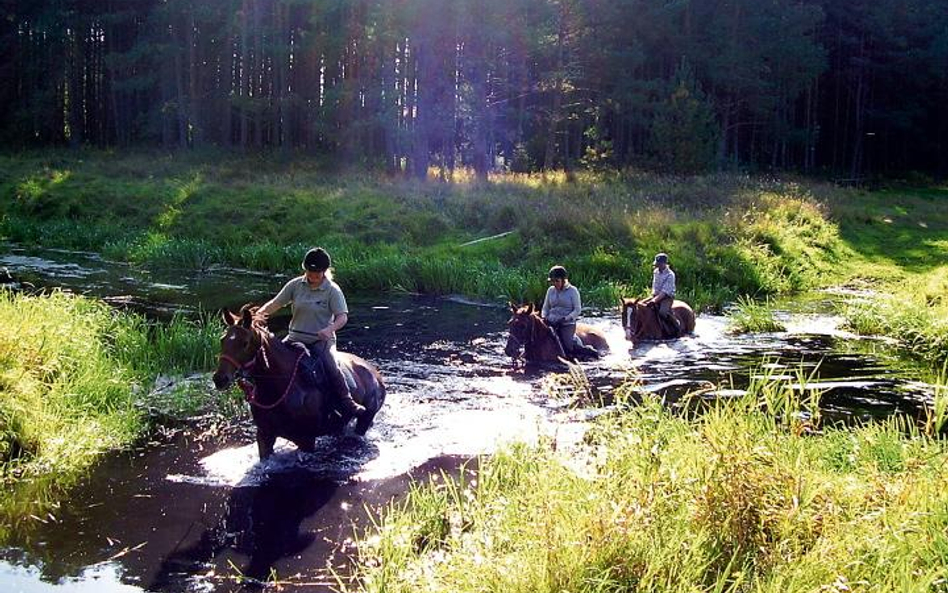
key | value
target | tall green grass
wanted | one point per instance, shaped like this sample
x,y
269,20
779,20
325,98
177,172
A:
x,y
919,326
727,234
75,380
734,499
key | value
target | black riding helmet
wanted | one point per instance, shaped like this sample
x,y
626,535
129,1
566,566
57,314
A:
x,y
557,272
317,260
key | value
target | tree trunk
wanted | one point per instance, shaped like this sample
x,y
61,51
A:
x,y
559,75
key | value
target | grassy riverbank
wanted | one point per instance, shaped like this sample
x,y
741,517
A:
x,y
737,499
728,234
75,377
898,241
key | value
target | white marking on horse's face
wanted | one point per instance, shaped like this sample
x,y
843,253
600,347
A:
x,y
232,337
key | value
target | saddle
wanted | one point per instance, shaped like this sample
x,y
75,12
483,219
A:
x,y
312,374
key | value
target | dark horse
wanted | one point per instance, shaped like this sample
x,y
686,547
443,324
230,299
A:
x,y
641,321
538,342
288,394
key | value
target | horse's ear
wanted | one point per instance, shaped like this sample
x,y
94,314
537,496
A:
x,y
246,316
228,317
530,309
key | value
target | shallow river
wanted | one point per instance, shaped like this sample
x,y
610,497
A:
x,y
195,511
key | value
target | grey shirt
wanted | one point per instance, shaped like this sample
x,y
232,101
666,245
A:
x,y
562,305
663,282
313,308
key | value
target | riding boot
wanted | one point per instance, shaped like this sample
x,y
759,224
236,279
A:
x,y
589,350
337,382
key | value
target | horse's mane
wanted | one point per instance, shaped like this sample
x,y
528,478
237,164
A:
x,y
248,321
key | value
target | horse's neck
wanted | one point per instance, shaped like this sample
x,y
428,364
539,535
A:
x,y
649,322
274,357
642,316
545,340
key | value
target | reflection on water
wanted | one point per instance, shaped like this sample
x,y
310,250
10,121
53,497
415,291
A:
x,y
105,577
197,514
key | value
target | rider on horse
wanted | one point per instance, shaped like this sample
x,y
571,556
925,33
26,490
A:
x,y
561,310
663,294
319,310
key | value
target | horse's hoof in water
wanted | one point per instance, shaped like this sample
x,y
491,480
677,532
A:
x,y
363,423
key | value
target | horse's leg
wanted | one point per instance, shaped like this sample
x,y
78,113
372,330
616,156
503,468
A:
x,y
364,422
265,441
306,445
372,400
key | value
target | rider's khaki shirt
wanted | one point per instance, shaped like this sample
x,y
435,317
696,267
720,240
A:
x,y
313,308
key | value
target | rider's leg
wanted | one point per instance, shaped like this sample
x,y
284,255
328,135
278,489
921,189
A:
x,y
566,331
668,318
336,380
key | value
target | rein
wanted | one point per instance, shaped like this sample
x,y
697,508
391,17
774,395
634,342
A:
x,y
535,321
245,372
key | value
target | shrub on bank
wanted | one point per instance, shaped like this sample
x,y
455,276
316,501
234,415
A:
x,y
74,381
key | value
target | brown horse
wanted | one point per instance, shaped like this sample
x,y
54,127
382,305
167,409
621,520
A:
x,y
287,390
641,321
538,342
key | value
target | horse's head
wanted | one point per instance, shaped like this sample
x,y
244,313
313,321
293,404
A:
x,y
640,320
520,329
630,317
239,346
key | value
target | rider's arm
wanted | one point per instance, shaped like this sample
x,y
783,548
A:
x,y
577,305
544,313
282,299
335,325
340,315
338,322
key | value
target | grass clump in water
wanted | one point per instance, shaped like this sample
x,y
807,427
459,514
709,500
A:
x,y
750,316
917,320
734,498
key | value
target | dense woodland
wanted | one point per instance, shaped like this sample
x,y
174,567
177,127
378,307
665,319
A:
x,y
848,88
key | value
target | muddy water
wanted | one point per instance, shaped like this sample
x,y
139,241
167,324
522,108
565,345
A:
x,y
197,512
